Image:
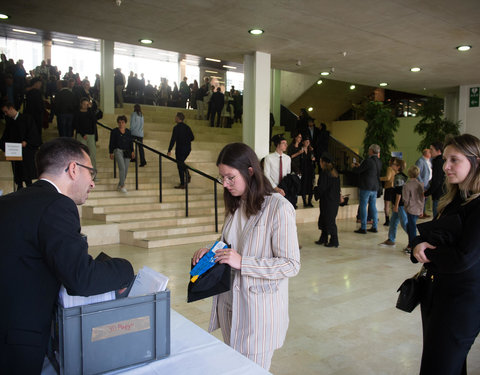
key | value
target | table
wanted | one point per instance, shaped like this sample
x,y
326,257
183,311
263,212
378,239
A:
x,y
192,351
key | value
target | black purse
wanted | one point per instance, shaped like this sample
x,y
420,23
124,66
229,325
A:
x,y
412,291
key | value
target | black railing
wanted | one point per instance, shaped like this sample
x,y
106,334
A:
x,y
186,168
344,157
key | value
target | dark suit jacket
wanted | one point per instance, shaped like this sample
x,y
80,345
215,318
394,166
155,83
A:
x,y
369,173
42,248
438,178
181,135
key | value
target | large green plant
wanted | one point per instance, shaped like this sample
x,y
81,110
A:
x,y
433,127
381,127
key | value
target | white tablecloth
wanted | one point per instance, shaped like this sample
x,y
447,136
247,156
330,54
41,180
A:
x,y
192,351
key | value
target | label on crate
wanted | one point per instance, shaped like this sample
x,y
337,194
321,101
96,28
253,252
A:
x,y
120,328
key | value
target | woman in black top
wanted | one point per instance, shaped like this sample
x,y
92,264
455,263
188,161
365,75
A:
x,y
328,191
307,168
121,148
295,152
451,255
85,125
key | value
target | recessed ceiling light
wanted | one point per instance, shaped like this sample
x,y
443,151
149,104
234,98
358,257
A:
x,y
256,31
87,38
146,41
25,31
415,69
319,82
62,41
211,71
352,87
4,16
310,109
383,84
325,73
463,48
211,59
230,67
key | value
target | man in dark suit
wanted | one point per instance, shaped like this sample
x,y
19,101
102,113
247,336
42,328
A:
x,y
34,104
181,135
42,248
217,101
20,128
436,189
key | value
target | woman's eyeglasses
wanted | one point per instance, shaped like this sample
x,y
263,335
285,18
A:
x,y
229,180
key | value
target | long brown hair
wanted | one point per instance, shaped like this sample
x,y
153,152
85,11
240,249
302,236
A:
x,y
468,145
241,157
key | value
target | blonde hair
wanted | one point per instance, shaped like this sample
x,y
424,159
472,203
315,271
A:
x,y
468,145
413,171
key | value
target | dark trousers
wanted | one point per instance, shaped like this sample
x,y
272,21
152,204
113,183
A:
x,y
181,168
65,125
218,113
140,149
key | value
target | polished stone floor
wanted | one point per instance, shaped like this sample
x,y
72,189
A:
x,y
343,318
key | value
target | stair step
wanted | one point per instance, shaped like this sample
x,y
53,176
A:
x,y
166,231
193,239
122,217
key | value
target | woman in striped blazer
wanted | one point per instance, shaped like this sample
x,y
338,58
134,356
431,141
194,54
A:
x,y
261,230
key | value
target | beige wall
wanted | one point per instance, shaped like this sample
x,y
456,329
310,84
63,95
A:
x,y
351,133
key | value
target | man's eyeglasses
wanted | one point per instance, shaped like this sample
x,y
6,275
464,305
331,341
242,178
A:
x,y
93,171
229,180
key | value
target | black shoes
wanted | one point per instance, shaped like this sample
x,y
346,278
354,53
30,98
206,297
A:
x,y
360,231
179,187
331,244
143,164
373,230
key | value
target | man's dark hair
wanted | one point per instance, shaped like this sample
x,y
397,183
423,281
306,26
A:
x,y
7,104
122,118
438,146
53,156
277,138
180,116
64,83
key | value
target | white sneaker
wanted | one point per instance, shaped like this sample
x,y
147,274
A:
x,y
123,190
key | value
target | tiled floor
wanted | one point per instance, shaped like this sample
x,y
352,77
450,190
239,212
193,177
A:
x,y
343,318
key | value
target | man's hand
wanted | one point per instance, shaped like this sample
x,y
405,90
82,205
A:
x,y
169,153
278,190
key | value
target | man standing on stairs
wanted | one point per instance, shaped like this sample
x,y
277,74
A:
x,y
42,248
277,164
182,136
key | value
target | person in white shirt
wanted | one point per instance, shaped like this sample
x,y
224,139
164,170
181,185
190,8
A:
x,y
276,159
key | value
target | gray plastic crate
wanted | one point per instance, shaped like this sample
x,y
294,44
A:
x,y
111,335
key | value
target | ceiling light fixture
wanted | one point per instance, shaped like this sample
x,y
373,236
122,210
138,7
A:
x,y
352,87
4,16
415,69
120,49
210,59
310,109
229,67
25,31
256,31
325,73
87,38
62,41
211,71
463,48
383,84
146,41
319,82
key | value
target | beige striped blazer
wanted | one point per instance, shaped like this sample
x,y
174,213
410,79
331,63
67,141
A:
x,y
270,255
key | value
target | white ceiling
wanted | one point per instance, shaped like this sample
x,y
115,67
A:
x,y
382,38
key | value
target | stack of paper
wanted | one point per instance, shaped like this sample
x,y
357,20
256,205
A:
x,y
148,281
66,300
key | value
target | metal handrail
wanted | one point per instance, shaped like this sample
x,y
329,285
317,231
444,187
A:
x,y
187,167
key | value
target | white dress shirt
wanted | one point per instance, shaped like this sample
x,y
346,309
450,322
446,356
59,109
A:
x,y
271,167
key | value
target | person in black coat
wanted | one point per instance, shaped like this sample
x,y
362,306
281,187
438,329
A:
x,y
438,176
20,128
34,103
42,248
182,136
328,192
307,169
120,148
216,101
451,256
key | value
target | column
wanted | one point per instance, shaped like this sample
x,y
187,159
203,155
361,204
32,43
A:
x,y
47,49
256,102
275,95
107,93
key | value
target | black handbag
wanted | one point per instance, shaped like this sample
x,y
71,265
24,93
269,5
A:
x,y
412,292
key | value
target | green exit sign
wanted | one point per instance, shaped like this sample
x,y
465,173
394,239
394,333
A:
x,y
474,96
